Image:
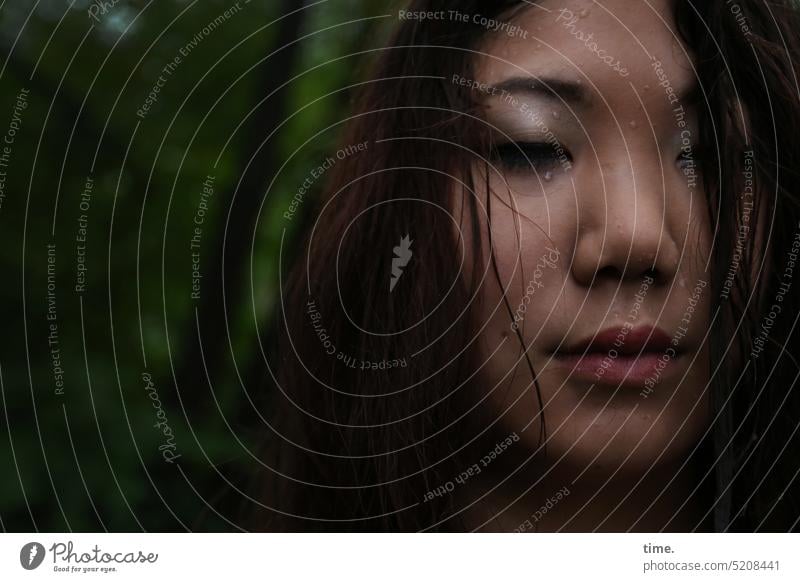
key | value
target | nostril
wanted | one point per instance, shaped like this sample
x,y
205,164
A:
x,y
651,272
619,258
608,272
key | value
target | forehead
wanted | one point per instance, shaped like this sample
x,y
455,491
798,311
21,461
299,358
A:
x,y
622,52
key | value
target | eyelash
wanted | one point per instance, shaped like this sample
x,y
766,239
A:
x,y
521,156
697,155
531,156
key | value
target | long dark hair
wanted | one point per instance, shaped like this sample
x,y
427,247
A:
x,y
360,449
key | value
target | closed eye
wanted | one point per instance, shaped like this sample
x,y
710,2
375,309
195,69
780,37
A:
x,y
691,158
528,156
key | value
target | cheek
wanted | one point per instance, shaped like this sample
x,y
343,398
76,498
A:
x,y
528,239
692,220
526,227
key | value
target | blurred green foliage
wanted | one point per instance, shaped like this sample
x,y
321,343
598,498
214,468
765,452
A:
x,y
89,459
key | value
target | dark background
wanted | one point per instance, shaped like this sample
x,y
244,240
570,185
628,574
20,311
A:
x,y
257,103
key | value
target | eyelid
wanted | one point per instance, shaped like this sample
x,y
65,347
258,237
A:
x,y
509,122
521,135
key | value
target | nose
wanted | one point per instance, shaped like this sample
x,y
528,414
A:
x,y
623,230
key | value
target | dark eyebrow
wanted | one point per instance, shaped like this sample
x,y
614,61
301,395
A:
x,y
550,88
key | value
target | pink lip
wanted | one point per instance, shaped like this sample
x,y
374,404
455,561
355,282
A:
x,y
621,356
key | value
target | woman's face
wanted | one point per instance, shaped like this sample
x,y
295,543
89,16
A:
x,y
600,232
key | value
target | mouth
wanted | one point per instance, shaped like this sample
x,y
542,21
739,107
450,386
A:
x,y
621,356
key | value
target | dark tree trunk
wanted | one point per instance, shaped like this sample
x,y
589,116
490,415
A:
x,y
266,158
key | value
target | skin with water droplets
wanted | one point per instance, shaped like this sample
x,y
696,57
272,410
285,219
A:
x,y
605,240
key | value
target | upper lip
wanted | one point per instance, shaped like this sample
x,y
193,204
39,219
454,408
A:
x,y
625,340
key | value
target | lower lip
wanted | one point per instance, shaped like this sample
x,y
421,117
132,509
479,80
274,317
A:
x,y
624,369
